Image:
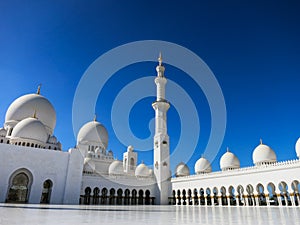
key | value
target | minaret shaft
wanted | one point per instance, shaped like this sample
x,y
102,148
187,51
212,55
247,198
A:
x,y
161,138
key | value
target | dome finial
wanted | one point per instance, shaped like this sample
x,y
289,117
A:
x,y
142,162
261,142
202,155
95,117
39,89
160,59
227,149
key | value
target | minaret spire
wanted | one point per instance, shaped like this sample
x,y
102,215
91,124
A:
x,y
161,138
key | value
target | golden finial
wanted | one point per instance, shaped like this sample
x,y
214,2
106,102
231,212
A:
x,y
95,117
261,141
160,59
39,89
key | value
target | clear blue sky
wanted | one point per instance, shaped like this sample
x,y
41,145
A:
x,y
252,47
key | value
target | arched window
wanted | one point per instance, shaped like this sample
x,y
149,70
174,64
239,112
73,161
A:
x,y
232,198
46,193
131,163
251,199
19,188
208,196
32,145
240,191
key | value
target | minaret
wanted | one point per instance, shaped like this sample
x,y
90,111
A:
x,y
161,138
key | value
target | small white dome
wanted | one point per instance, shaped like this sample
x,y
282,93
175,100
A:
x,y
182,170
263,154
116,168
24,106
202,166
52,140
297,147
30,128
142,171
3,132
94,133
89,165
229,161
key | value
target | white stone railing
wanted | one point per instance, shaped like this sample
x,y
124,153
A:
x,y
284,164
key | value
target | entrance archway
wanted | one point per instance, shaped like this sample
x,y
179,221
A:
x,y
19,187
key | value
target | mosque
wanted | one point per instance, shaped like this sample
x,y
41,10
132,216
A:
x,y
34,169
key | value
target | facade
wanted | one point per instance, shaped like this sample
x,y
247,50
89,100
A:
x,y
34,169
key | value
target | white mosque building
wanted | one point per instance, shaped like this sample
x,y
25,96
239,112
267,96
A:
x,y
34,169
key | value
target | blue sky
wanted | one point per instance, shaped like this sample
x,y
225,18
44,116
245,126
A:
x,y
252,47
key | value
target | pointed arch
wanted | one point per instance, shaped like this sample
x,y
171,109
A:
x,y
19,186
46,193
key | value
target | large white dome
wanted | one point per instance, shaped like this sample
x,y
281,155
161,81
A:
x,y
202,166
30,128
93,133
142,171
263,154
116,168
229,161
182,170
297,147
24,107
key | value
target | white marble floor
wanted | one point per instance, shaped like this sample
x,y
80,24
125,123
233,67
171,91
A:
x,y
11,214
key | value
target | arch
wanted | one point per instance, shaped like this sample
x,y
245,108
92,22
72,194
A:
x,y
119,196
190,202
96,196
19,186
241,198
104,196
112,192
141,197
223,196
46,193
1,141
273,200
196,201
147,197
216,198
184,196
261,195
296,187
174,197
250,196
126,197
232,197
208,196
87,195
202,198
133,197
178,197
284,194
